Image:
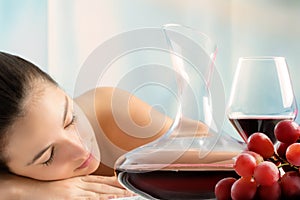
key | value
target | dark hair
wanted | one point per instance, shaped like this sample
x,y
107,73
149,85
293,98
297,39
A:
x,y
17,78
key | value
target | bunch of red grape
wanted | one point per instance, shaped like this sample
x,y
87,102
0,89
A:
x,y
266,171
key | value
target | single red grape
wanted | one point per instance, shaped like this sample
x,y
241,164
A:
x,y
244,164
261,144
290,185
287,131
281,149
292,154
244,188
272,192
223,188
257,157
266,173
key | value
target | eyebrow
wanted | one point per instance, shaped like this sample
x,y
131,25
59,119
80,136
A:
x,y
37,156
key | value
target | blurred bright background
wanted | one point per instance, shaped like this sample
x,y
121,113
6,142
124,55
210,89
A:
x,y
58,35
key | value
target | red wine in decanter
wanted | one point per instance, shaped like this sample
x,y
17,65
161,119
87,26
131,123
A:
x,y
187,178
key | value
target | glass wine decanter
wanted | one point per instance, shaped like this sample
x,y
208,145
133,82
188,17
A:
x,y
194,153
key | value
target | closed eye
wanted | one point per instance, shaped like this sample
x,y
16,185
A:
x,y
72,122
50,160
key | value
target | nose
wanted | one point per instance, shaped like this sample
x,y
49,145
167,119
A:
x,y
73,147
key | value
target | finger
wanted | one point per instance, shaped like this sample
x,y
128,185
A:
x,y
112,196
109,180
102,188
96,196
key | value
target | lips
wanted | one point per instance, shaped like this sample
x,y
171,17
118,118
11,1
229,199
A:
x,y
86,162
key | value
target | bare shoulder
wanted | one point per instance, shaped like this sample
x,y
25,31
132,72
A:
x,y
96,99
104,92
126,120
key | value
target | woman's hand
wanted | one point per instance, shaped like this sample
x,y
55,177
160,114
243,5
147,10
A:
x,y
84,187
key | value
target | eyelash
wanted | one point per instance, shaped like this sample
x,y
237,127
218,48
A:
x,y
72,122
50,160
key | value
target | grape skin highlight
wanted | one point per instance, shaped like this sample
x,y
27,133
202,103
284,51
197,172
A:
x,y
287,131
293,154
244,188
244,164
261,144
266,173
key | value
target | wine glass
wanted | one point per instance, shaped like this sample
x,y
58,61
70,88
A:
x,y
261,96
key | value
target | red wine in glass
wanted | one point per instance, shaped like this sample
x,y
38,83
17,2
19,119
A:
x,y
248,125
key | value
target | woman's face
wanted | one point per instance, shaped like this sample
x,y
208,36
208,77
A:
x,y
44,144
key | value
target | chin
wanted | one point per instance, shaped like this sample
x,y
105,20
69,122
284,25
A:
x,y
90,169
95,167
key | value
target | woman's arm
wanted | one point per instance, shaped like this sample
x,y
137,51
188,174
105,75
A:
x,y
85,187
8,186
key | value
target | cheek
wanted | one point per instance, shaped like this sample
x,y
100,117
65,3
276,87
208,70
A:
x,y
62,166
59,169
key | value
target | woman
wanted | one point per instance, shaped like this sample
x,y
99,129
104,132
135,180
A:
x,y
41,154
